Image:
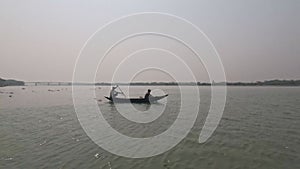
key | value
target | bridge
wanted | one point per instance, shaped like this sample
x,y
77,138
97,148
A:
x,y
48,83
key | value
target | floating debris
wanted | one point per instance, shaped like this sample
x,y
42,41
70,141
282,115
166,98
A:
x,y
7,159
167,164
50,90
43,143
7,92
76,139
109,165
97,155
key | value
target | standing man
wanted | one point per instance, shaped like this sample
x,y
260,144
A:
x,y
113,93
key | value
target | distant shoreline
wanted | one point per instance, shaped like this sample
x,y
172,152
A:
x,y
10,82
275,82
258,83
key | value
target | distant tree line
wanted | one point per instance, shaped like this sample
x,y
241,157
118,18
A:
x,y
258,83
267,83
10,82
275,82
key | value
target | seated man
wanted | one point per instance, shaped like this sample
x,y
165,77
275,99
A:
x,y
148,95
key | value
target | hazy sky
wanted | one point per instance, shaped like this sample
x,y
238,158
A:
x,y
256,39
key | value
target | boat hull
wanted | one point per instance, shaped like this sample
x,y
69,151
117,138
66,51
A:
x,y
136,100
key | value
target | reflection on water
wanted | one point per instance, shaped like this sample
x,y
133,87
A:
x,y
143,107
259,129
160,123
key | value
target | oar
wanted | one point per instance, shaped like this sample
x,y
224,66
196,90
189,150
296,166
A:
x,y
121,90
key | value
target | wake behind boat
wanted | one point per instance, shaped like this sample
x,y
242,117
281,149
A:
x,y
136,100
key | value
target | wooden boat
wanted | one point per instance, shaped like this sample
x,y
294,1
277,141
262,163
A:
x,y
136,100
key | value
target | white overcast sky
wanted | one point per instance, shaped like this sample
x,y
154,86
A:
x,y
256,39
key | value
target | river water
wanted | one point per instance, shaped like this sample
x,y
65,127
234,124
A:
x,y
260,128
